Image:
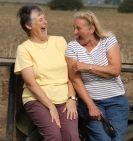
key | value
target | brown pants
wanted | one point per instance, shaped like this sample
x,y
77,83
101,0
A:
x,y
50,131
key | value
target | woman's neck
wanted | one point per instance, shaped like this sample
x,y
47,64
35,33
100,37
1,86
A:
x,y
39,39
91,44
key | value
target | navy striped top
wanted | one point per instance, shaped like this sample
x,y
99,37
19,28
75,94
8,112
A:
x,y
98,87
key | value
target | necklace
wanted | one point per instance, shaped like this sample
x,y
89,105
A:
x,y
40,45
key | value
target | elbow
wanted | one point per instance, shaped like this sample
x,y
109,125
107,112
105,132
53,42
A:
x,y
116,72
30,85
75,83
108,76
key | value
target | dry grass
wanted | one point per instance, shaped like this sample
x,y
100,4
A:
x,y
60,23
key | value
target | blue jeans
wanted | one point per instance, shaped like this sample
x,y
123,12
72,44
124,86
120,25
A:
x,y
115,109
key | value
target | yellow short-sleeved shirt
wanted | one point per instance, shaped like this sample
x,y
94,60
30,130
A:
x,y
49,66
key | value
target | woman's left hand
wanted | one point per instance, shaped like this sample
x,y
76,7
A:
x,y
80,66
71,108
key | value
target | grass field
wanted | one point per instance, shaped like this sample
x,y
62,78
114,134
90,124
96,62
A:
x,y
60,23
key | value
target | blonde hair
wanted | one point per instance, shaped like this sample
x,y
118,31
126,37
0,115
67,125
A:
x,y
92,20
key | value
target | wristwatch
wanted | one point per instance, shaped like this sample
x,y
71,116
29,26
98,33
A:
x,y
73,98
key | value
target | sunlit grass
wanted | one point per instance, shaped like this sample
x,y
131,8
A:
x,y
60,23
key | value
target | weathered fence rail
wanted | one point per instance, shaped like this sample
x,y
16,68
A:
x,y
7,100
127,67
10,101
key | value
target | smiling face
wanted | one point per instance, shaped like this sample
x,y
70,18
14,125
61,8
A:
x,y
38,26
82,31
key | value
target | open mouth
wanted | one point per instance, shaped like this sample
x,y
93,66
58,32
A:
x,y
79,38
43,29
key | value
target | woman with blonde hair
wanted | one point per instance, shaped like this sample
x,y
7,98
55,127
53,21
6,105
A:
x,y
94,64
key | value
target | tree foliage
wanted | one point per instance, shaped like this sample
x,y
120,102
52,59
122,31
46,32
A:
x,y
65,4
126,6
113,2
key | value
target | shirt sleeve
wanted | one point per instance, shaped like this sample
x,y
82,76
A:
x,y
111,41
70,52
23,59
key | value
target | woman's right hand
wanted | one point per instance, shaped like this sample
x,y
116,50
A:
x,y
54,115
94,112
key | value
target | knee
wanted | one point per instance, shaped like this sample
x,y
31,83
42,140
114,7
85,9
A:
x,y
56,135
73,135
53,135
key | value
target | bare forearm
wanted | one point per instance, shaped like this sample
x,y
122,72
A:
x,y
71,91
30,81
82,92
114,63
104,71
93,110
40,95
112,69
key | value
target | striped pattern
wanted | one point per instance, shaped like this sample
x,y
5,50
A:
x,y
99,88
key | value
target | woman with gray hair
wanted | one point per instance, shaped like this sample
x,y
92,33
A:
x,y
94,64
48,95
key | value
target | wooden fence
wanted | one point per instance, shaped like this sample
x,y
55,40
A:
x,y
10,98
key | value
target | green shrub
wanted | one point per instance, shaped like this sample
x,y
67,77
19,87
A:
x,y
126,6
65,4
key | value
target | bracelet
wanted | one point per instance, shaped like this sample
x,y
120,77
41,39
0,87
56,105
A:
x,y
72,98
